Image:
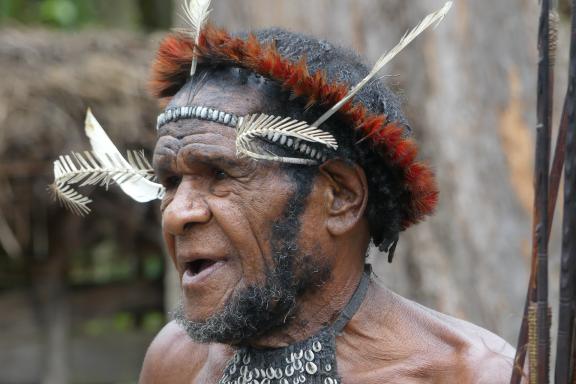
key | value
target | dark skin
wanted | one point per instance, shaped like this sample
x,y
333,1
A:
x,y
221,207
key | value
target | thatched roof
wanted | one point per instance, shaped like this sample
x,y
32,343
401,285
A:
x,y
48,80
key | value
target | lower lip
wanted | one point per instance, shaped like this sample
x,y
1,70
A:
x,y
190,280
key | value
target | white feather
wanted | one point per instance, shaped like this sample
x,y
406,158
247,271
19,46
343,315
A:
x,y
259,125
196,12
431,19
140,189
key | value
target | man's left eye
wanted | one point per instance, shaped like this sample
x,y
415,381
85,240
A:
x,y
220,174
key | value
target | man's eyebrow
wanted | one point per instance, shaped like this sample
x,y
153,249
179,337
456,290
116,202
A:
x,y
213,154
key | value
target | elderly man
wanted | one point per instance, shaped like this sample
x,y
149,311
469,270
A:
x,y
268,217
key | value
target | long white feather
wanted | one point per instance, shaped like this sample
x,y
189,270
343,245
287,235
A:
x,y
196,11
432,19
140,189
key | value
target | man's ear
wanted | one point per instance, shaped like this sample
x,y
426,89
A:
x,y
346,195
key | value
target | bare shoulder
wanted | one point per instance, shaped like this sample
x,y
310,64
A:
x,y
403,341
172,357
487,357
471,354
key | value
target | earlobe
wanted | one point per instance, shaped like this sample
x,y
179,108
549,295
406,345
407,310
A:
x,y
346,195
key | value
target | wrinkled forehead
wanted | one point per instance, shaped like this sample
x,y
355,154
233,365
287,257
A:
x,y
223,91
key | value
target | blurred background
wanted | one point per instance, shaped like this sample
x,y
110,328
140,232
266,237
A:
x,y
81,298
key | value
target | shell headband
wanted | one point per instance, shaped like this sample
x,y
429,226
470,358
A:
x,y
178,57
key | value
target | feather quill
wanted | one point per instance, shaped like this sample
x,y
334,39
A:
x,y
139,188
432,19
70,198
261,125
196,12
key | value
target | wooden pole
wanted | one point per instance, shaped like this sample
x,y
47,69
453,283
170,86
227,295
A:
x,y
536,308
564,373
541,173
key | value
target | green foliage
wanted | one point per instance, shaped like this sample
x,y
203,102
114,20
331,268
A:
x,y
62,13
73,14
153,322
122,322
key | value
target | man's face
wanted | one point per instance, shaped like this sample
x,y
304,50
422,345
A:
x,y
222,215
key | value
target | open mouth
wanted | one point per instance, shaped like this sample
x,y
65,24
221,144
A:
x,y
197,266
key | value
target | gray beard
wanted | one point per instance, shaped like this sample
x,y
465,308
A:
x,y
255,311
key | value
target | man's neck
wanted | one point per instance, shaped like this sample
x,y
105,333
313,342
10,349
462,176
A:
x,y
316,310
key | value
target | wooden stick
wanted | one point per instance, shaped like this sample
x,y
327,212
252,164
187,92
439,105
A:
x,y
541,174
538,287
557,165
566,320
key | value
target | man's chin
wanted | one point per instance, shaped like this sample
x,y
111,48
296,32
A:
x,y
194,311
248,314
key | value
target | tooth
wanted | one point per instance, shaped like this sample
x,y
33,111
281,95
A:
x,y
176,113
234,121
203,112
289,142
303,148
319,155
308,150
227,118
199,111
283,140
169,115
221,117
193,112
324,158
276,137
313,153
270,135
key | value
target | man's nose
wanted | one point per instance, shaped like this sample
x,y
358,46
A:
x,y
188,207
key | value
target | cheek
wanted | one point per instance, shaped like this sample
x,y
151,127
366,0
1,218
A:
x,y
170,245
245,235
247,220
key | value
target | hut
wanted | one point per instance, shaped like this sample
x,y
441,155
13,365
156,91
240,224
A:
x,y
76,294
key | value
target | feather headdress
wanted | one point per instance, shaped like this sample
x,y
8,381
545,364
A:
x,y
216,46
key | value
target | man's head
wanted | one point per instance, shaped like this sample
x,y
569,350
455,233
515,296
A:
x,y
251,239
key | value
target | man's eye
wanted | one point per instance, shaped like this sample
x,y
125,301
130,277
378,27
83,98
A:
x,y
220,174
